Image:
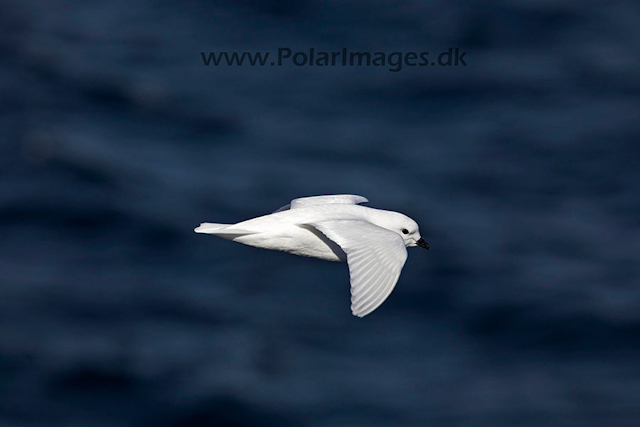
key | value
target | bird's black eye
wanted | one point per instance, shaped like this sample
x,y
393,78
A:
x,y
405,231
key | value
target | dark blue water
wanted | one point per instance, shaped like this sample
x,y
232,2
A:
x,y
522,169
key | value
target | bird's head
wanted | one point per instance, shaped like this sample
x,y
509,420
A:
x,y
403,225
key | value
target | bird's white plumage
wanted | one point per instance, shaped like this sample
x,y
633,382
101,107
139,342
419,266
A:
x,y
335,228
303,202
220,229
348,199
375,256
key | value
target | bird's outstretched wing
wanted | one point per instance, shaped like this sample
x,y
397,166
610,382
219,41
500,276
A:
x,y
375,256
303,202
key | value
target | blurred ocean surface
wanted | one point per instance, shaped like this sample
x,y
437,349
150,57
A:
x,y
521,168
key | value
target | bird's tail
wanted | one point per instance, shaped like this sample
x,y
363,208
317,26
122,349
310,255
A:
x,y
210,227
225,230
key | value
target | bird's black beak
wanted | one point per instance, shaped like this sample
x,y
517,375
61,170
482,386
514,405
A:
x,y
422,244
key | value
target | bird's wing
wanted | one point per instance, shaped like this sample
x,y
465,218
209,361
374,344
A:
x,y
375,256
303,202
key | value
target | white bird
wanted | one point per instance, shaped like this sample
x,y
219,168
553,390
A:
x,y
334,228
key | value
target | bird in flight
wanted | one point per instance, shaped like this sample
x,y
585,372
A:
x,y
335,228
